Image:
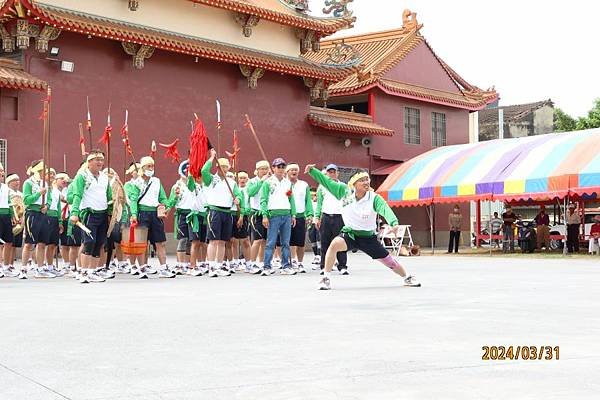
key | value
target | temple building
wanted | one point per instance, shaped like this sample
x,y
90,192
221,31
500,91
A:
x,y
368,101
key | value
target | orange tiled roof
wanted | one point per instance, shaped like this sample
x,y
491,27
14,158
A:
x,y
122,31
345,121
380,52
13,77
277,11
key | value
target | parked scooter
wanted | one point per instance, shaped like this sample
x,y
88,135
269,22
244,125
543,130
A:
x,y
527,237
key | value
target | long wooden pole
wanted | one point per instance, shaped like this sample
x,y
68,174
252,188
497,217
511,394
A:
x,y
81,142
89,123
249,124
108,143
45,142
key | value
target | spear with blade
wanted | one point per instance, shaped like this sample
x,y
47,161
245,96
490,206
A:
x,y
89,122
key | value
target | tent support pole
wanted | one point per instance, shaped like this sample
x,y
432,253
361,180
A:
x,y
565,223
430,210
490,226
478,223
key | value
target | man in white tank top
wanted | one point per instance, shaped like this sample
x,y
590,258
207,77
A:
x,y
257,231
360,207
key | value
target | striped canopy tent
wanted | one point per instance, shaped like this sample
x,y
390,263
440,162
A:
x,y
530,168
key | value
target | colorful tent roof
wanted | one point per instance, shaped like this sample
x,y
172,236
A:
x,y
534,167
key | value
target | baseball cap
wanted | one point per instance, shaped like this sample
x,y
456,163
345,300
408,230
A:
x,y
331,166
278,161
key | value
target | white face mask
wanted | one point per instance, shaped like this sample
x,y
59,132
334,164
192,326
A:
x,y
149,173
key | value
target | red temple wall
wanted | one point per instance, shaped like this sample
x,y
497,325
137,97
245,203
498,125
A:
x,y
161,100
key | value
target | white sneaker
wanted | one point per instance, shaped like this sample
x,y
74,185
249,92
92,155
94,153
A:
x,y
301,269
213,273
11,272
255,270
94,277
56,272
135,270
267,272
318,259
150,270
104,274
315,260
287,271
195,271
224,272
123,268
143,273
203,269
344,271
83,278
242,267
165,273
42,273
411,281
325,284
276,263
23,274
1,273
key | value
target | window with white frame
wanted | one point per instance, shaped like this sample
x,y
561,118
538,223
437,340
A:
x,y
438,129
412,125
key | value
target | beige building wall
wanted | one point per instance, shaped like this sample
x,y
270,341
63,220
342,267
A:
x,y
187,18
543,120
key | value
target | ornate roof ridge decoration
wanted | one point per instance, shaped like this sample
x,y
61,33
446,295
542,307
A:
x,y
138,52
346,121
382,51
282,13
102,27
339,8
133,5
12,76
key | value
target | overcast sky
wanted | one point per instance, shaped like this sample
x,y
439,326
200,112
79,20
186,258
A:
x,y
530,50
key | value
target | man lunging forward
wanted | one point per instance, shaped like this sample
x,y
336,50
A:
x,y
360,206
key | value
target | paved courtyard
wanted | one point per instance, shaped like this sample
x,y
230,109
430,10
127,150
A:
x,y
248,337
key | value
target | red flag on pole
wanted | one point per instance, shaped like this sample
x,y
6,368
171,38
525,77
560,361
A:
x,y
198,148
236,150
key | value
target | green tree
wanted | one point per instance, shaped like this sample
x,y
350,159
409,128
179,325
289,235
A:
x,y
563,122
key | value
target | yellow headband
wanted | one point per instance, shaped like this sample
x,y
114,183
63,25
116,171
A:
x,y
262,164
242,175
356,178
37,167
145,161
62,175
223,162
93,156
292,166
12,177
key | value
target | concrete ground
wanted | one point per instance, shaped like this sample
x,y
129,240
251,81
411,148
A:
x,y
249,337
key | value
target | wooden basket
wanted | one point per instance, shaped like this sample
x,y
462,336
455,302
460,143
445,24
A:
x,y
140,243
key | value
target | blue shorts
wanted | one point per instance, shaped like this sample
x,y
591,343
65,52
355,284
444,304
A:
x,y
50,234
220,225
35,223
6,232
155,225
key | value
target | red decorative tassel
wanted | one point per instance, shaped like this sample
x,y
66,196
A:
x,y
198,148
171,152
236,150
106,136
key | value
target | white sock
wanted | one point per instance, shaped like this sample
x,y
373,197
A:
x,y
325,274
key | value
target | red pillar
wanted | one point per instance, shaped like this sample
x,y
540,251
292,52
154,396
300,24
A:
x,y
478,222
371,101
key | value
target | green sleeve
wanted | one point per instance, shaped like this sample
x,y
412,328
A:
x,y
172,200
109,198
264,201
337,189
70,194
11,212
382,208
293,205
162,196
309,212
191,183
320,198
206,175
254,187
78,188
133,194
49,198
29,198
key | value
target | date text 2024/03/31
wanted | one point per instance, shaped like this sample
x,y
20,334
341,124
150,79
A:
x,y
520,352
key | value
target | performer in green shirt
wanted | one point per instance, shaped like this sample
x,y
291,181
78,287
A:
x,y
360,207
